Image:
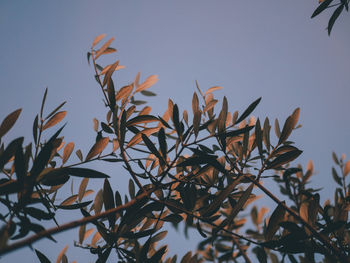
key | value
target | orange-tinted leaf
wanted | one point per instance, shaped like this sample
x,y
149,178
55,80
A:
x,y
82,188
55,119
103,48
98,202
67,152
98,147
150,81
347,168
124,92
98,39
9,121
104,71
210,90
70,200
60,255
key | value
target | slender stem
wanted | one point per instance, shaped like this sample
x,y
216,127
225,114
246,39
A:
x,y
73,224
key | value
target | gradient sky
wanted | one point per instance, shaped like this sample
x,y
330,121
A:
x,y
251,48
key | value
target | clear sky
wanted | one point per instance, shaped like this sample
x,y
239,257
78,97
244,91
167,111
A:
x,y
251,48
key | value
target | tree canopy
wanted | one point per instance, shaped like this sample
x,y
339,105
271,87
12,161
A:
x,y
200,167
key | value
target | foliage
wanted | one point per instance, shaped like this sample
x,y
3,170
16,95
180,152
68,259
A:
x,y
201,169
337,6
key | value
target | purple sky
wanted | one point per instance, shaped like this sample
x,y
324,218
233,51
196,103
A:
x,y
251,48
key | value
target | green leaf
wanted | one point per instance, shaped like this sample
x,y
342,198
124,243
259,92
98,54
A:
x,y
9,121
42,257
321,7
334,17
148,93
248,111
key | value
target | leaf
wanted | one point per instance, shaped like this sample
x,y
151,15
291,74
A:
x,y
275,219
103,48
347,168
97,148
82,188
240,203
239,131
43,157
159,236
68,149
85,172
54,177
42,257
152,148
210,90
9,121
60,255
196,122
258,138
55,110
248,111
55,119
336,178
118,67
334,17
283,159
98,202
74,206
108,201
177,120
82,230
43,103
321,7
210,105
10,151
162,143
70,200
138,137
98,39
111,92
195,103
266,134
289,125
141,119
124,92
148,93
218,200
150,81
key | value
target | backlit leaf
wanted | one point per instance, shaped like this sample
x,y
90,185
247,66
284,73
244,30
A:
x,y
347,168
103,48
150,81
141,119
68,149
55,119
210,90
97,148
124,92
98,39
82,188
60,255
98,202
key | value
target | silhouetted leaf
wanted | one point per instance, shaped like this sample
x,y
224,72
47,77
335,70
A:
x,y
152,148
85,172
239,131
283,159
275,219
9,121
334,17
248,111
321,7
42,257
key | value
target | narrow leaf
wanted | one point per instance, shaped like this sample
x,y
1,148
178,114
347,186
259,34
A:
x,y
275,219
98,39
248,111
97,148
9,121
55,119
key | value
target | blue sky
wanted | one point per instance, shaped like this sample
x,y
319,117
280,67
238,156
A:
x,y
251,48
